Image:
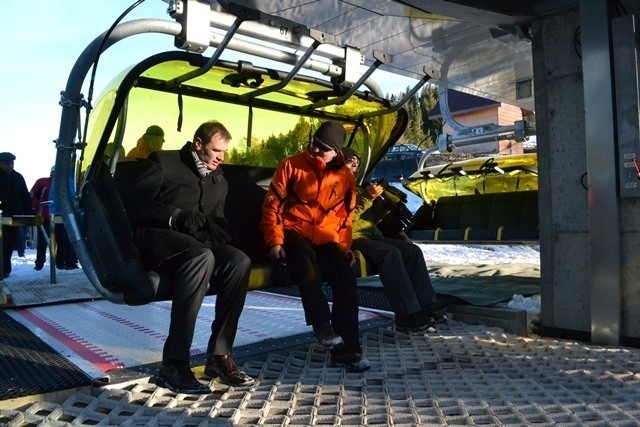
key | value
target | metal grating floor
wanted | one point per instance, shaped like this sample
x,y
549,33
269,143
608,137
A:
x,y
29,366
111,336
461,375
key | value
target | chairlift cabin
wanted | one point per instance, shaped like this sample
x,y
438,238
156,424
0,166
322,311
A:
x,y
262,106
480,175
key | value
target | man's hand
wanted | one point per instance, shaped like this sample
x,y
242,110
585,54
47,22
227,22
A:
x,y
276,253
374,190
217,234
190,222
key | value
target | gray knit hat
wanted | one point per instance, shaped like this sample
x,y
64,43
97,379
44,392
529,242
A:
x,y
331,134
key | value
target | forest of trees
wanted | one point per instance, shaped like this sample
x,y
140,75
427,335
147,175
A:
x,y
420,131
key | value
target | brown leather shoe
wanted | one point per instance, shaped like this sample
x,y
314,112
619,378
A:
x,y
225,368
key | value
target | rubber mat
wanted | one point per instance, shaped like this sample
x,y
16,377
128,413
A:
x,y
41,369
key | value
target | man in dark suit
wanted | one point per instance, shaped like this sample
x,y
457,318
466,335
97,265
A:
x,y
176,204
14,200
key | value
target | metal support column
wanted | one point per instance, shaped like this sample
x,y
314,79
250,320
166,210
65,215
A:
x,y
604,222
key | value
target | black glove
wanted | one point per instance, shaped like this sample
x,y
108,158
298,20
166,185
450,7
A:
x,y
212,233
217,234
190,222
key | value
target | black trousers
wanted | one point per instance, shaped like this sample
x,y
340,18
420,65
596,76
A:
x,y
309,266
41,253
186,279
65,254
402,270
9,239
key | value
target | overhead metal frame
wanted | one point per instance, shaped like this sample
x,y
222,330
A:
x,y
380,58
242,14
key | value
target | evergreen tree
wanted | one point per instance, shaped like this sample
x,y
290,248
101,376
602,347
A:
x,y
420,130
430,128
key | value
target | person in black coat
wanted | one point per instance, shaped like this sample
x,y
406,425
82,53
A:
x,y
14,200
176,207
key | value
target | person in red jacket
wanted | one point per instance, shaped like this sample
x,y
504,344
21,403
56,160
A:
x,y
304,226
40,203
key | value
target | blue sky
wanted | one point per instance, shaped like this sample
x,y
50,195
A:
x,y
41,41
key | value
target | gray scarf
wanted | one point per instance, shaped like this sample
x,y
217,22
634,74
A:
x,y
203,170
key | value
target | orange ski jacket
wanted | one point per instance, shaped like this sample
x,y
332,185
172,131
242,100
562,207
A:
x,y
311,199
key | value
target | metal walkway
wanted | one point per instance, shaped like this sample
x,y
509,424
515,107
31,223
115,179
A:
x,y
461,375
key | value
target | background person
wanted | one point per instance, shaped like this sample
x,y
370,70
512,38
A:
x,y
302,227
399,263
176,206
66,258
152,140
21,241
14,200
40,203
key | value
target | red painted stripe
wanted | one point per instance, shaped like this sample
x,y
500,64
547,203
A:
x,y
121,321
97,357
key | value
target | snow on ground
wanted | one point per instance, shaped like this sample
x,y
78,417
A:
x,y
444,254
474,254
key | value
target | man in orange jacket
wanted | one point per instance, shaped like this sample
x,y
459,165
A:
x,y
304,226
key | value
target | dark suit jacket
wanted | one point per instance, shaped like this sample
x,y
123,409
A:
x,y
154,190
14,195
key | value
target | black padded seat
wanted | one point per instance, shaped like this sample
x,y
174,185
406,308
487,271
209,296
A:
x,y
481,217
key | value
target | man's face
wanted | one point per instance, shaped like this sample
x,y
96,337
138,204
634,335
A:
x,y
322,151
212,152
6,166
352,163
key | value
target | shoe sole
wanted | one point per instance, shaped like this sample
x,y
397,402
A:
x,y
162,383
350,368
214,375
416,330
442,319
331,346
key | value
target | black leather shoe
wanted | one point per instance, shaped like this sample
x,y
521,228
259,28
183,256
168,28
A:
x,y
180,379
225,368
353,362
38,267
414,323
326,336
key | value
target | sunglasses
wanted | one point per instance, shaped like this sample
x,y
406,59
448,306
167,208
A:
x,y
322,147
352,161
